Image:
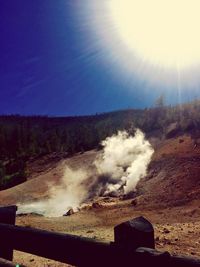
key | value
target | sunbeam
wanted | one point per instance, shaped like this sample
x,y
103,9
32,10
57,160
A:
x,y
159,31
147,39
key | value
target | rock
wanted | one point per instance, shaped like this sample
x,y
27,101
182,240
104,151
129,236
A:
x,y
113,194
69,212
134,202
166,241
129,195
90,232
166,231
157,239
96,205
107,199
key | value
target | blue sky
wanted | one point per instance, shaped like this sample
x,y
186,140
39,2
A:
x,y
46,68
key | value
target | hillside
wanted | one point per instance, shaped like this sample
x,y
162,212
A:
x,y
42,173
23,139
172,178
168,196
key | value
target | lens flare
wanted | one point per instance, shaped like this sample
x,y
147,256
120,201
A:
x,y
162,32
151,41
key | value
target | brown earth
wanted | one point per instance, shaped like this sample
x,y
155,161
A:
x,y
37,186
169,197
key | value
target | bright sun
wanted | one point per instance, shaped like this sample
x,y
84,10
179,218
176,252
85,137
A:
x,y
162,32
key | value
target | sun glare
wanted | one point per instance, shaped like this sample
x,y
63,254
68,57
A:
x,y
161,32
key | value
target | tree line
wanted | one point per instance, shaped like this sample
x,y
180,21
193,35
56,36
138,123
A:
x,y
25,137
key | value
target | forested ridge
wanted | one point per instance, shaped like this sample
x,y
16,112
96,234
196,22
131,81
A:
x,y
25,137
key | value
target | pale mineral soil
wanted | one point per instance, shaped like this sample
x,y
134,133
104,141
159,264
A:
x,y
177,230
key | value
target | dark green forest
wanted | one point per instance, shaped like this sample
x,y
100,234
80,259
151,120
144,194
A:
x,y
25,137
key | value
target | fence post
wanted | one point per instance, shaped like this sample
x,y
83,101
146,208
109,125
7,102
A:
x,y
134,234
7,216
137,237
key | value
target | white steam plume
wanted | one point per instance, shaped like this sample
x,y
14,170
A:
x,y
125,159
122,163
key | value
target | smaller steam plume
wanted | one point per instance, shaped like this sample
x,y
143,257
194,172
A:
x,y
70,193
119,167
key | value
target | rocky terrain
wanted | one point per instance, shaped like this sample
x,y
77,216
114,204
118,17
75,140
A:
x,y
169,196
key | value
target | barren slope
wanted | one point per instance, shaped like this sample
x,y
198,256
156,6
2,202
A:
x,y
174,174
37,187
168,197
173,177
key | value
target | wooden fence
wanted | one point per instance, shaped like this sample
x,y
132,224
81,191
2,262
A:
x,y
133,245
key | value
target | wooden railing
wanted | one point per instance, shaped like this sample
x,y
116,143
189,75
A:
x,y
133,245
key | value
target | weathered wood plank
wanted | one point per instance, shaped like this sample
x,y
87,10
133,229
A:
x,y
82,252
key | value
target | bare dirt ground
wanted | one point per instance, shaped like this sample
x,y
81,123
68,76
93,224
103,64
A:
x,y
177,230
169,197
37,186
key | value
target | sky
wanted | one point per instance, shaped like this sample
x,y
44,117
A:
x,y
53,62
